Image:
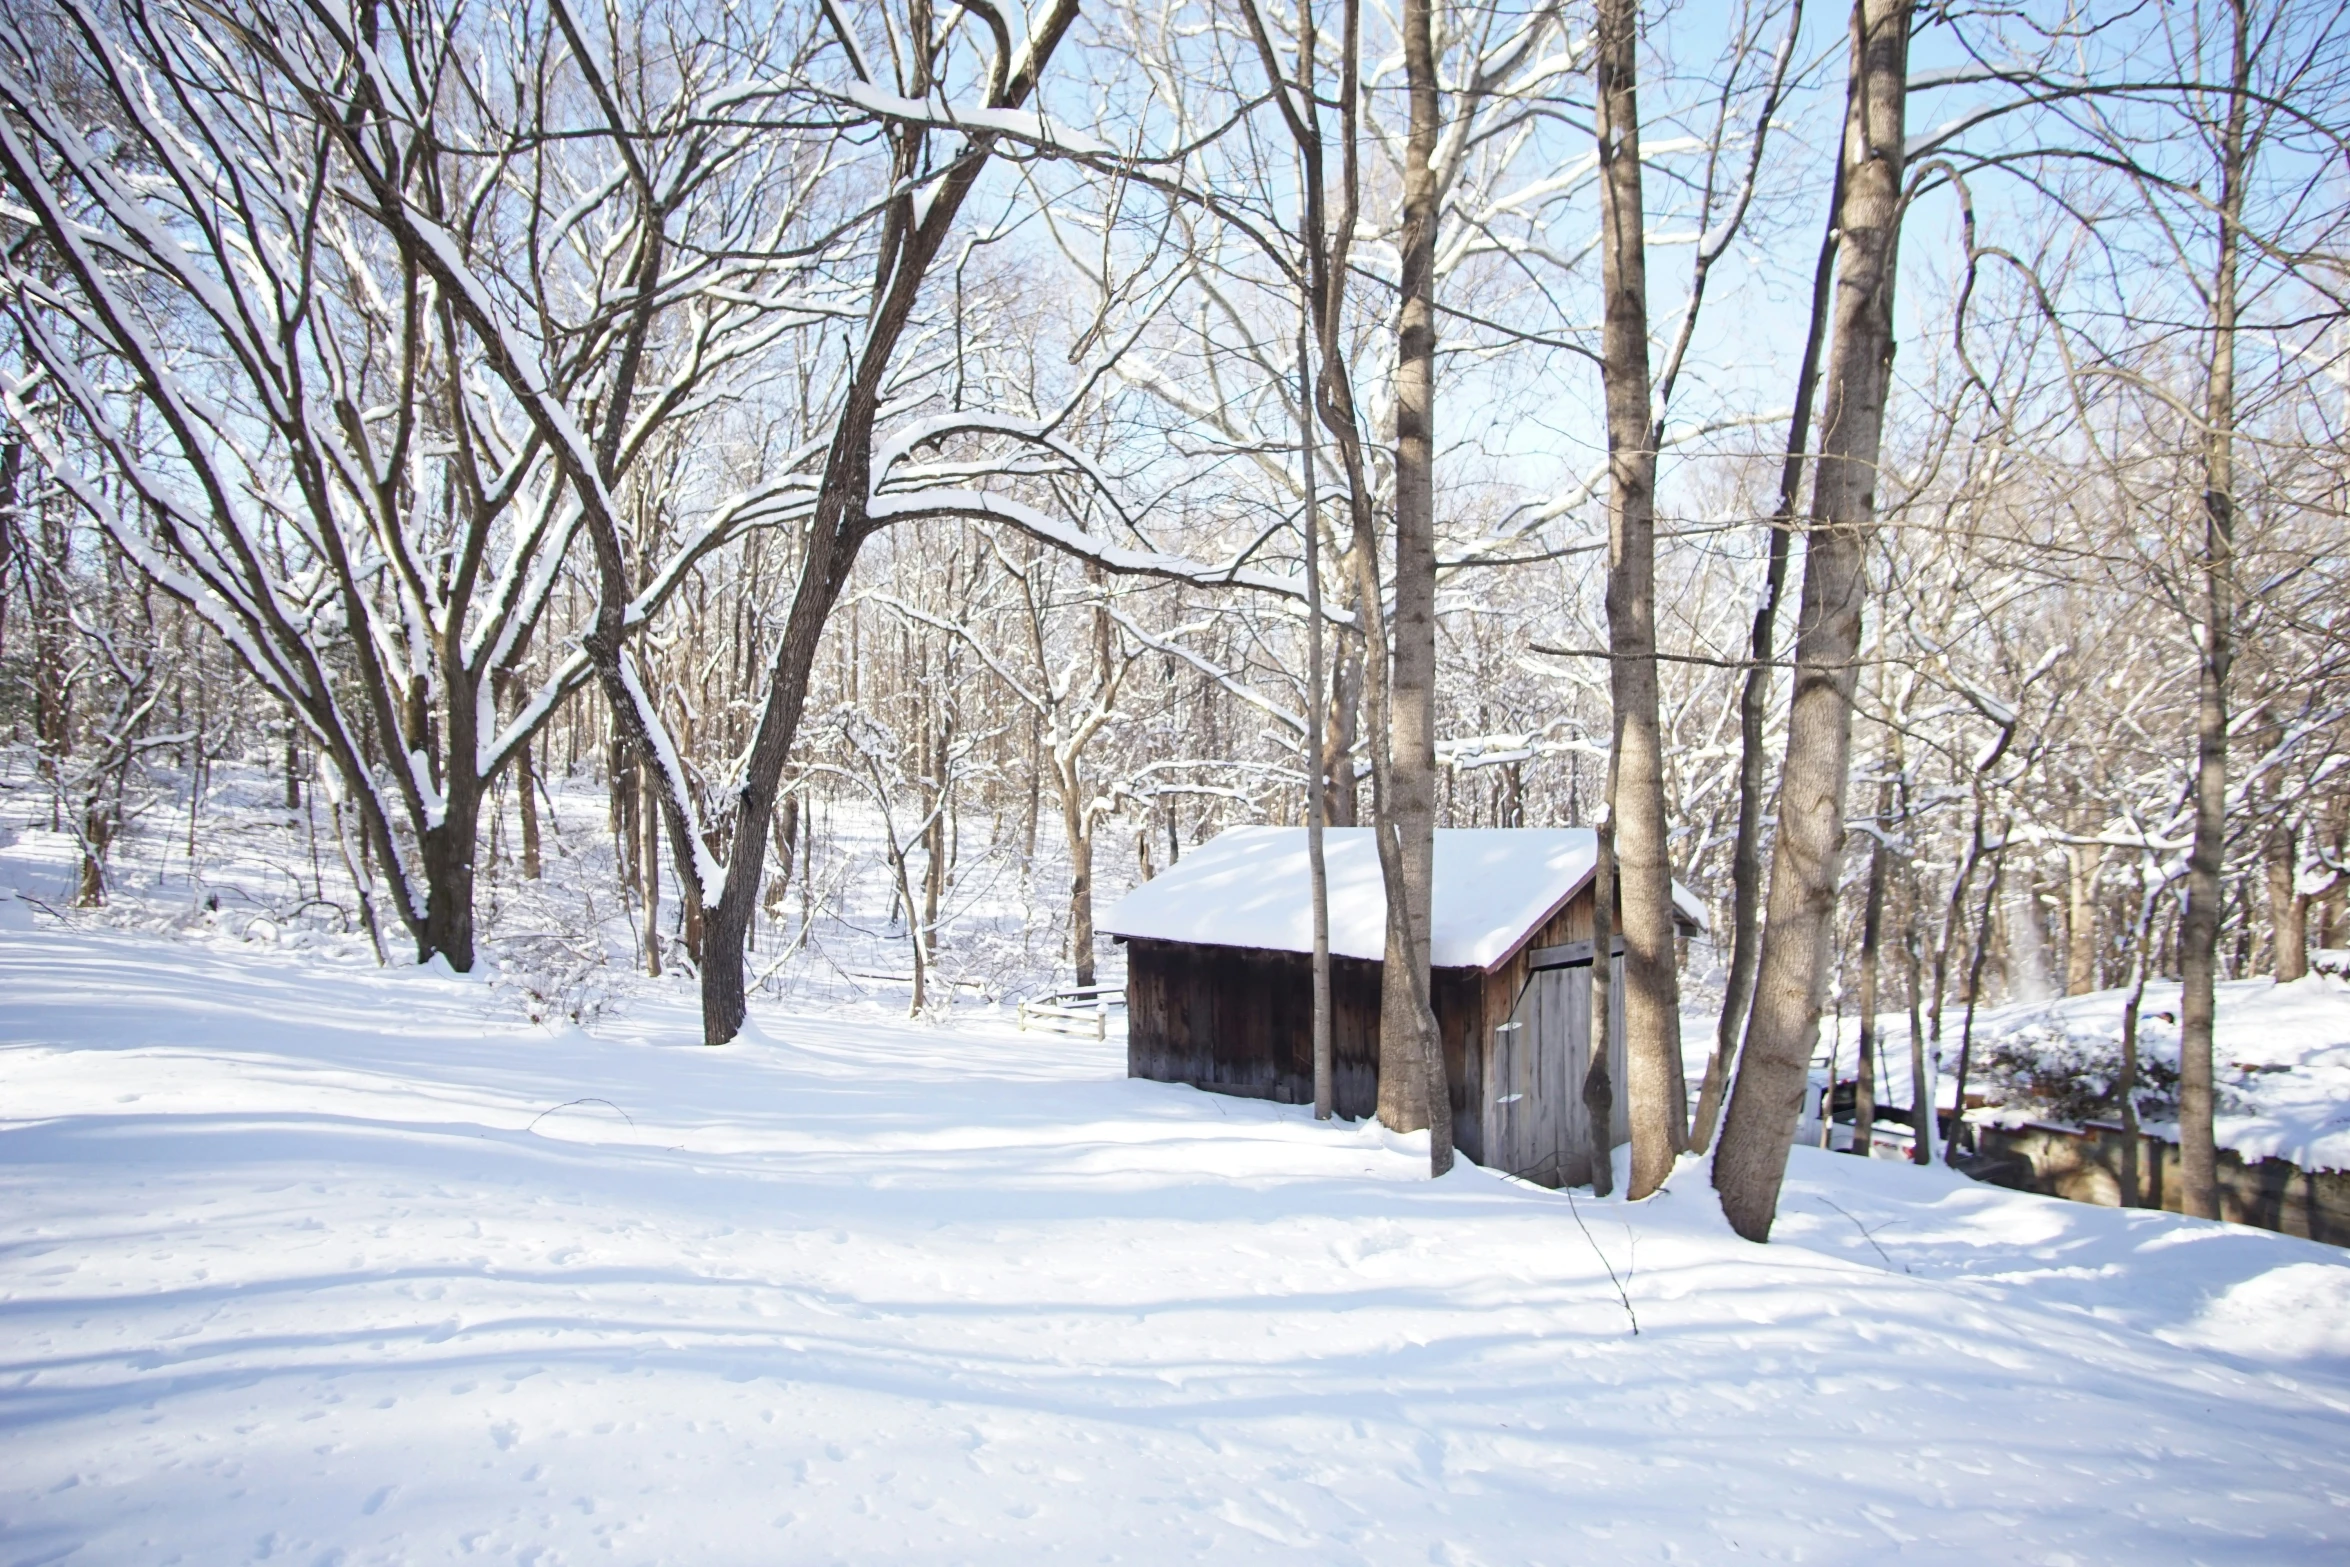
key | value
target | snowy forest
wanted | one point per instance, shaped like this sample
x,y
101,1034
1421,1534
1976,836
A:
x,y
810,494
1150,781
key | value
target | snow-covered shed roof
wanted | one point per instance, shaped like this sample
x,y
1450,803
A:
x,y
1249,887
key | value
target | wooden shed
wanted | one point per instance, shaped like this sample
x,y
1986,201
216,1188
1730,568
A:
x,y
1219,981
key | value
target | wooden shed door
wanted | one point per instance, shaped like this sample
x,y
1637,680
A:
x,y
1535,1125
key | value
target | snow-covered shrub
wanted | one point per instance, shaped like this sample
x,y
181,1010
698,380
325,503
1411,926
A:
x,y
2052,1075
554,978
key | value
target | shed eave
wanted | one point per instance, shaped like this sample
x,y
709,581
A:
x,y
1518,942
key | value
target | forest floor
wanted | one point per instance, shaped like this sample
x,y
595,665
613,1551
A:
x,y
303,1259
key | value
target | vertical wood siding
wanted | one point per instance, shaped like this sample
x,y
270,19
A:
x,y
1239,1020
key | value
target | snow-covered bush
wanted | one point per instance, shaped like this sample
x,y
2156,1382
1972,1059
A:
x,y
2050,1074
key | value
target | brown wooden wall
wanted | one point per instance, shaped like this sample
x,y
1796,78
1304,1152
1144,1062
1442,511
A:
x,y
1239,1020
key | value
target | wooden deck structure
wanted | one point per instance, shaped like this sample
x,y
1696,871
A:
x,y
1238,1019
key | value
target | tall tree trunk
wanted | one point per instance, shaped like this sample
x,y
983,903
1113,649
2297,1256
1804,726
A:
x,y
1599,1092
11,470
1772,1070
1872,933
2133,1190
786,831
1413,1089
2288,908
917,940
2199,931
935,747
526,790
833,546
1974,994
1080,893
448,845
1921,1088
1317,759
1921,1064
1329,396
620,815
1754,702
1035,801
1658,1097
2082,861
52,647
1340,734
649,864
1413,1085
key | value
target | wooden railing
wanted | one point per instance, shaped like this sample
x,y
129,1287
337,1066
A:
x,y
1083,1010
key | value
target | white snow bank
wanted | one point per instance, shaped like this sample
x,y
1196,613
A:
x,y
336,1264
2300,1312
2281,1054
1250,887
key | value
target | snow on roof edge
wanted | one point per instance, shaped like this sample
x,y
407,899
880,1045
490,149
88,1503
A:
x,y
1247,887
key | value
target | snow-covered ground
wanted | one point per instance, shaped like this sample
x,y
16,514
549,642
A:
x,y
303,1259
306,1260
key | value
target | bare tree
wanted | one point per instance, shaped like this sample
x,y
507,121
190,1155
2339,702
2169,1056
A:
x,y
866,480
1636,849
1768,1094
2199,929
343,229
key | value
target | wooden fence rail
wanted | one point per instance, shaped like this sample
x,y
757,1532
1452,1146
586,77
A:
x,y
1082,1011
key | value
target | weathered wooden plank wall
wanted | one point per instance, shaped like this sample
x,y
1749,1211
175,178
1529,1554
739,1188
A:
x,y
1239,1020
1535,1124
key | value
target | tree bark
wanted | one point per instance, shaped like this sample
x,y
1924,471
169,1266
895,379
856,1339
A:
x,y
11,469
1328,395
1768,1096
1318,785
2288,908
1599,1094
2199,930
1921,1065
1080,890
96,831
1974,993
1402,749
1340,734
649,864
1872,931
1413,1090
526,790
917,939
1921,1088
448,845
1754,702
2132,1193
1659,1099
2080,921
785,830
